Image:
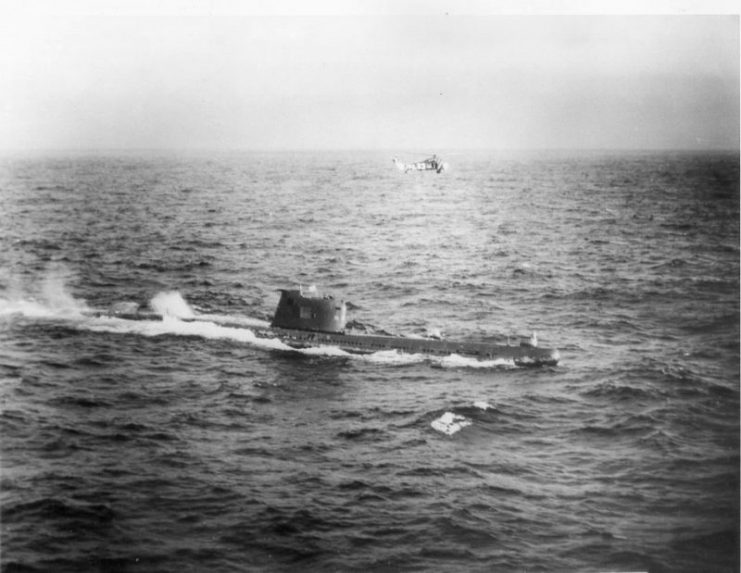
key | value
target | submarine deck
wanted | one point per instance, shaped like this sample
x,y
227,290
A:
x,y
367,344
521,355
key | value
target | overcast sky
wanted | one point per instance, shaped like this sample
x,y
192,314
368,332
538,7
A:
x,y
352,75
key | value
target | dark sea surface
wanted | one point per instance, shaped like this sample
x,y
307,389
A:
x,y
171,446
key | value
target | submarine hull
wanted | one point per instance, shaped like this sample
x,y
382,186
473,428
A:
x,y
521,355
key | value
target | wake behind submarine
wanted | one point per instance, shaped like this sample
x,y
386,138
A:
x,y
306,319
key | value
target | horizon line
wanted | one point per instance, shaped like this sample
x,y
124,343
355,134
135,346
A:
x,y
238,149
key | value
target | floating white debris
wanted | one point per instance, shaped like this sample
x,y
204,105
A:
x,y
450,423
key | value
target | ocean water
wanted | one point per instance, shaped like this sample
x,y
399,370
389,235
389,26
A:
x,y
171,446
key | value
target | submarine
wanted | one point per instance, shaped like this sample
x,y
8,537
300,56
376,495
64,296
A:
x,y
306,319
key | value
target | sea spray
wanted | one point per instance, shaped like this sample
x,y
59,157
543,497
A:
x,y
14,306
47,297
172,304
56,296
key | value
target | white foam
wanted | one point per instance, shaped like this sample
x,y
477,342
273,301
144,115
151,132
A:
x,y
47,299
458,361
55,295
33,308
324,351
481,405
171,303
233,320
450,423
175,326
393,357
397,357
28,308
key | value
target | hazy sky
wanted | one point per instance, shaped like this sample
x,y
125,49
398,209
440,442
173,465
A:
x,y
391,75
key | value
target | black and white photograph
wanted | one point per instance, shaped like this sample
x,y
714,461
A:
x,y
369,286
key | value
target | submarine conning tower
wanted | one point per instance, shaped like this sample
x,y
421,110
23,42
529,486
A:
x,y
305,309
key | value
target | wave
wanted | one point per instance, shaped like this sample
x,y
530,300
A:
x,y
620,392
56,508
